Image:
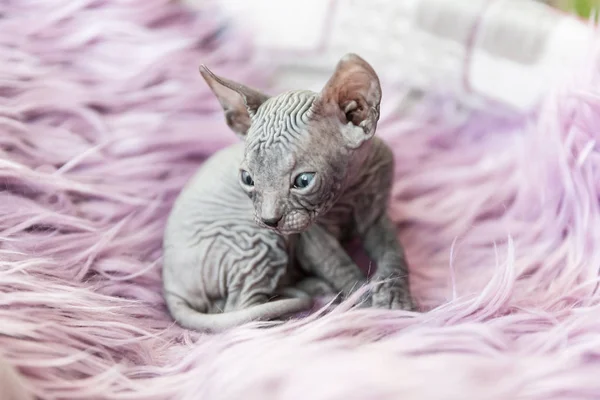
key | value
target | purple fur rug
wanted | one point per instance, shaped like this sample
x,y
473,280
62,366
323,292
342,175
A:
x,y
103,117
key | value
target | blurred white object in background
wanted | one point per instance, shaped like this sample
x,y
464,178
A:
x,y
504,51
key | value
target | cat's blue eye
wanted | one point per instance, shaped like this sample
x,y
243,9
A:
x,y
304,180
247,179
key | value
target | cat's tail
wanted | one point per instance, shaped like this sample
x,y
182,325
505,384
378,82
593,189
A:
x,y
190,318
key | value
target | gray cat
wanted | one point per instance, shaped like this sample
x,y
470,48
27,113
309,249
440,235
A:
x,y
257,232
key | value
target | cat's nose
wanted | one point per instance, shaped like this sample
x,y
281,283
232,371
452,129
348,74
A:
x,y
272,222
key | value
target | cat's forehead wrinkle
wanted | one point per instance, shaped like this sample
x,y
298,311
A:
x,y
276,159
281,119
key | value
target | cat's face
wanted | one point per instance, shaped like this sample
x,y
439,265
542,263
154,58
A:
x,y
295,163
300,146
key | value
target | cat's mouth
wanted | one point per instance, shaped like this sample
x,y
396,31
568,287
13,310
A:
x,y
282,229
291,222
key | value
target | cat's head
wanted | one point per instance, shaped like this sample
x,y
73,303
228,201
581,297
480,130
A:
x,y
300,146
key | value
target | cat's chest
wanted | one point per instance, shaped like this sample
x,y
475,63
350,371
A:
x,y
340,220
352,211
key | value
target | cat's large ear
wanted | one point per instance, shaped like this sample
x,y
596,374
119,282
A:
x,y
239,102
353,95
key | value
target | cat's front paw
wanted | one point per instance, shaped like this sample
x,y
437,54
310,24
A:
x,y
392,295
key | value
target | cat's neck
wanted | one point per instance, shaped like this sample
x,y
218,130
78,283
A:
x,y
359,166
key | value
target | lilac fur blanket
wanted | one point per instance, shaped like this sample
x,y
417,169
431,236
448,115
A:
x,y
103,117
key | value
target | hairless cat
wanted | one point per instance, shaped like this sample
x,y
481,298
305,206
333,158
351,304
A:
x,y
258,231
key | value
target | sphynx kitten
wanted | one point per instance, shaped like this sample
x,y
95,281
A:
x,y
258,231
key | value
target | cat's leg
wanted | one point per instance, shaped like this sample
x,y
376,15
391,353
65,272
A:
x,y
259,272
309,287
320,254
315,287
381,244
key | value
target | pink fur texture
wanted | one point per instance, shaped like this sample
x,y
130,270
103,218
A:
x,y
103,117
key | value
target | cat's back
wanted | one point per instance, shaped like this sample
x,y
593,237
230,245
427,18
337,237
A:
x,y
212,196
218,174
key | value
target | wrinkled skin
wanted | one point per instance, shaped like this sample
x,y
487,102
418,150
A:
x,y
274,164
309,175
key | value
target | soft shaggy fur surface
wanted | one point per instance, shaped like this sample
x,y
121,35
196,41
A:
x,y
104,117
